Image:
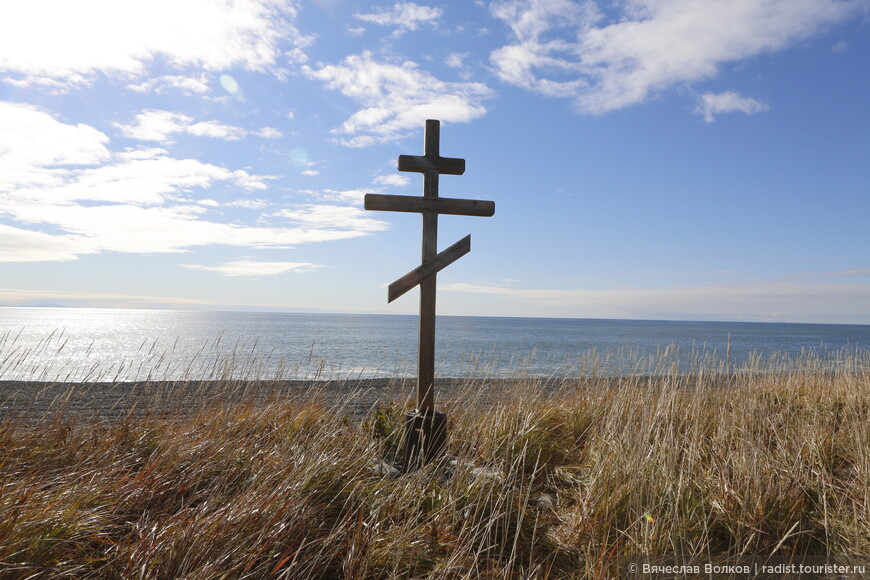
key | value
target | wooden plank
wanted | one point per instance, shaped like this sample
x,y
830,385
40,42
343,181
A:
x,y
433,266
432,139
426,345
423,164
426,348
438,205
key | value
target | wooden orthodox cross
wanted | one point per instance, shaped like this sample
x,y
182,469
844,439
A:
x,y
431,165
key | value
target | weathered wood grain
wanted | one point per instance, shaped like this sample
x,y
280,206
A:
x,y
423,164
441,205
426,345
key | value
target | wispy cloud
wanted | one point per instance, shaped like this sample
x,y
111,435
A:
x,y
767,301
396,98
95,299
248,203
396,180
268,133
570,49
850,273
404,16
216,130
21,245
196,84
352,196
159,126
122,38
712,104
333,217
253,268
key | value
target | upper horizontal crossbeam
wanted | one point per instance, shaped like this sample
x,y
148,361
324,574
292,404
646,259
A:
x,y
426,164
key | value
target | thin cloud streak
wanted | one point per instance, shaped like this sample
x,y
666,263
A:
x,y
96,299
253,268
771,301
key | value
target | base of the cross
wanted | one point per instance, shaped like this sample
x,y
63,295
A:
x,y
425,438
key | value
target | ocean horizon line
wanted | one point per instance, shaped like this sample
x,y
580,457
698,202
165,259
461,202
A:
x,y
302,311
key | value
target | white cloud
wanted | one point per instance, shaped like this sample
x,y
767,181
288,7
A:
x,y
44,159
268,133
188,85
712,104
19,245
568,49
255,268
44,41
310,172
132,154
31,139
396,98
155,125
158,125
403,15
397,180
333,217
456,59
149,181
67,194
216,130
174,229
248,203
353,196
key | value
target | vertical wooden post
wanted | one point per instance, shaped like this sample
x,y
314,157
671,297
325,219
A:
x,y
426,354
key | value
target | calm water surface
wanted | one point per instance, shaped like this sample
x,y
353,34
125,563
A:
x,y
96,344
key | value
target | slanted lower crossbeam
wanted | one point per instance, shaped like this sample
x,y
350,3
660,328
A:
x,y
430,268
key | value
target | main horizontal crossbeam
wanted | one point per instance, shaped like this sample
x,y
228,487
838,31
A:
x,y
431,267
445,205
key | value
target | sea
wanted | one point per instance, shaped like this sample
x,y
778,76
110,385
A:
x,y
100,345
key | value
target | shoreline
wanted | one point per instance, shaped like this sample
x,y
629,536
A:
x,y
106,401
38,400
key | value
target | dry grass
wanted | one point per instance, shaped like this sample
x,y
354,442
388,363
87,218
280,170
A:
x,y
543,478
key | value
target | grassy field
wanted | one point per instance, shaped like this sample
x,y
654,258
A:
x,y
557,478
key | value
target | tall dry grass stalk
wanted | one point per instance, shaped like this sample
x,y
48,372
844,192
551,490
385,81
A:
x,y
544,478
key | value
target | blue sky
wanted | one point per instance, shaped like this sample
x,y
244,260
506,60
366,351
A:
x,y
658,159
